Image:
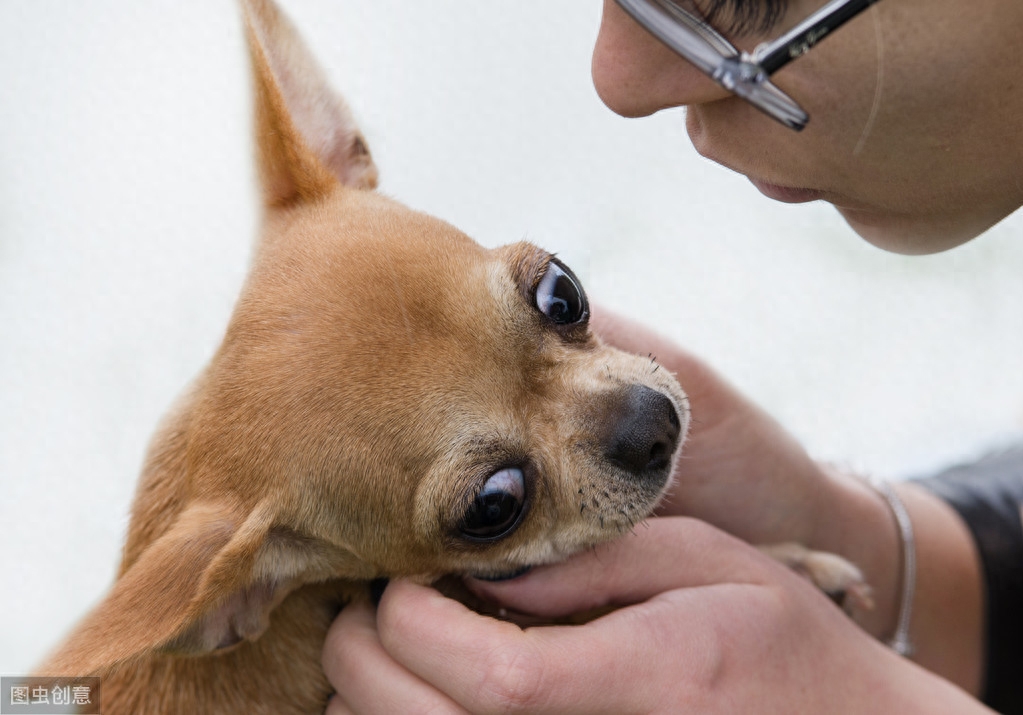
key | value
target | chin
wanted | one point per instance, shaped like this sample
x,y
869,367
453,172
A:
x,y
914,235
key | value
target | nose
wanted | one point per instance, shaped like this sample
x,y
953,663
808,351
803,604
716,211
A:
x,y
635,74
644,432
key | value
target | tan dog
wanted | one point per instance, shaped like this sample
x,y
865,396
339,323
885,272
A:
x,y
390,399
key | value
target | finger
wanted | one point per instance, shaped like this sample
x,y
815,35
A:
x,y
631,336
704,387
366,677
661,554
617,663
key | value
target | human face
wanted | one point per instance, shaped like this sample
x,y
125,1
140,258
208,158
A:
x,y
915,134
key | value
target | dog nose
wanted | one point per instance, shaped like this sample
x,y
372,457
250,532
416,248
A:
x,y
646,433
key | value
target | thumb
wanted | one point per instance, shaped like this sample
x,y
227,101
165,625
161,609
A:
x,y
660,555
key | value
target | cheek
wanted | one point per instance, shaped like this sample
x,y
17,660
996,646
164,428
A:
x,y
839,98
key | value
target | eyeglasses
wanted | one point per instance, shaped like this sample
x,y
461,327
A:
x,y
742,73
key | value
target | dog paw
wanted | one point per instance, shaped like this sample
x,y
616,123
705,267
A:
x,y
836,577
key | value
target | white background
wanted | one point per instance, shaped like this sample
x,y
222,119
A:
x,y
127,211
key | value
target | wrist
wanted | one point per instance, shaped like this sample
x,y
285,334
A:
x,y
948,605
856,522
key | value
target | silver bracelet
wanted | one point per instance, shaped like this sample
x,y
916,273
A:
x,y
900,641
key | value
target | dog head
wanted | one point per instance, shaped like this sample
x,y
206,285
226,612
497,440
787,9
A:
x,y
390,399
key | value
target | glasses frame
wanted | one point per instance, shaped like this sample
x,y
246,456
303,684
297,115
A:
x,y
744,74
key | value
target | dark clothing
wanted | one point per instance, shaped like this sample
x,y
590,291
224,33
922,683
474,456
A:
x,y
988,495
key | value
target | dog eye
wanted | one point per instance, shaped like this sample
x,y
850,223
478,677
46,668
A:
x,y
497,507
559,295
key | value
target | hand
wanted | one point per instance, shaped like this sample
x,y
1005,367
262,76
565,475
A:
x,y
741,471
706,624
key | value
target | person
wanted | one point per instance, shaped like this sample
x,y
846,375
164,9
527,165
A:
x,y
914,137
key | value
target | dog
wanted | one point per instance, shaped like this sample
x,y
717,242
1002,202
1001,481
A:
x,y
390,400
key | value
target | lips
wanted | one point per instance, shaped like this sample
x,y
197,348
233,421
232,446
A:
x,y
787,194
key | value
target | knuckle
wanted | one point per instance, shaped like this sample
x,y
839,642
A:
x,y
777,616
511,679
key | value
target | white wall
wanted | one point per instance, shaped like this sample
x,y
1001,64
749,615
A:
x,y
127,210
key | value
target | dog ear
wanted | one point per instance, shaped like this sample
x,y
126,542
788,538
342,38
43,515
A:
x,y
208,583
306,137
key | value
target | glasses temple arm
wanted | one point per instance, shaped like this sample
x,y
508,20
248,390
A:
x,y
772,56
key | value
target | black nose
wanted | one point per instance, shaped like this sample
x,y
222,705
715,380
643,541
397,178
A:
x,y
644,432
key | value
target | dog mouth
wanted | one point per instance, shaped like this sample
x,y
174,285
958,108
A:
x,y
502,575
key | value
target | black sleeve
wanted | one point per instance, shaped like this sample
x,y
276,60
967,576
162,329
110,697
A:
x,y
988,495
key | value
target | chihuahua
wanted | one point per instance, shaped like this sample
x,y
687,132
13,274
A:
x,y
390,400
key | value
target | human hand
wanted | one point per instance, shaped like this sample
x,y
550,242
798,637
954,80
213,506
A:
x,y
741,471
706,623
